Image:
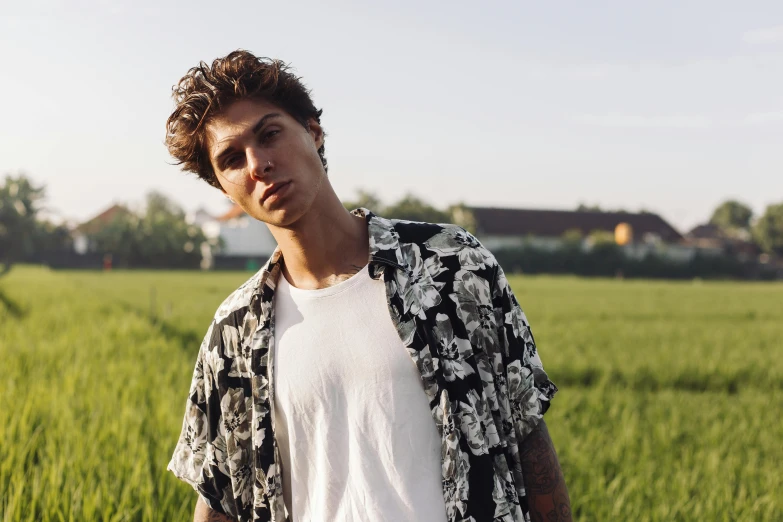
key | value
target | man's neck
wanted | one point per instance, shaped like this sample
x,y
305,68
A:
x,y
324,247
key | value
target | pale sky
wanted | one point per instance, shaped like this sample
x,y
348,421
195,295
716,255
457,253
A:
x,y
672,106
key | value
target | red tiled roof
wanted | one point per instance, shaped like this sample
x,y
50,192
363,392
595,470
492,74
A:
x,y
101,220
234,212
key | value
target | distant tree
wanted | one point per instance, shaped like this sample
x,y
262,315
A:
x,y
412,208
51,240
20,202
158,237
768,230
572,237
600,238
604,254
460,214
168,240
366,200
119,238
732,216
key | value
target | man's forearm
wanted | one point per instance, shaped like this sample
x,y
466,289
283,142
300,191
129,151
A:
x,y
206,514
547,495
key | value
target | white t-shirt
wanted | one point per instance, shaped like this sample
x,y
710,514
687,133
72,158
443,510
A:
x,y
356,436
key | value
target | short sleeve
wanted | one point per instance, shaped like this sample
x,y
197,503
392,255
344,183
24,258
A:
x,y
200,451
528,386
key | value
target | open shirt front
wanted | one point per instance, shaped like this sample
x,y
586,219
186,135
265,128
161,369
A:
x,y
461,325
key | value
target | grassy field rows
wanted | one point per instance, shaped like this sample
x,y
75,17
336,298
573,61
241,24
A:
x,y
669,406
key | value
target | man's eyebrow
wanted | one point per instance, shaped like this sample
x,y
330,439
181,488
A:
x,y
259,124
222,153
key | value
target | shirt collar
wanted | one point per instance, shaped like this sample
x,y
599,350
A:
x,y
384,251
384,244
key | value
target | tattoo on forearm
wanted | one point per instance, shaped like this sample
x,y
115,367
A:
x,y
206,514
544,483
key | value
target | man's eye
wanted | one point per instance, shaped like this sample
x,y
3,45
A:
x,y
231,161
270,134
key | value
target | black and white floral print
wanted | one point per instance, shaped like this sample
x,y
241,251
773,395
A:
x,y
462,327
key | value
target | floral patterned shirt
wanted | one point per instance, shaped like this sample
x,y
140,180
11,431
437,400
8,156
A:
x,y
461,325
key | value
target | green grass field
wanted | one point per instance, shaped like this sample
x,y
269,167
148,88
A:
x,y
670,404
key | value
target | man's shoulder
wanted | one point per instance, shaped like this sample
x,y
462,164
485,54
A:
x,y
240,298
444,239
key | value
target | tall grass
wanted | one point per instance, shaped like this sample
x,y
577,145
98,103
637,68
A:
x,y
670,403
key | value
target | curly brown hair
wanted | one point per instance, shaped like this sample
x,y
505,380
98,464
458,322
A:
x,y
207,89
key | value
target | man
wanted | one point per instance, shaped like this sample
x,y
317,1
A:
x,y
374,369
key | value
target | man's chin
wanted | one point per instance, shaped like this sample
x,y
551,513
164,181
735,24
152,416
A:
x,y
284,214
281,218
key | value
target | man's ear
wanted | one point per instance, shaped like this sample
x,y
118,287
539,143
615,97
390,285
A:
x,y
315,130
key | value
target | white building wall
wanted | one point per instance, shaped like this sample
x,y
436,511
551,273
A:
x,y
80,243
493,243
245,236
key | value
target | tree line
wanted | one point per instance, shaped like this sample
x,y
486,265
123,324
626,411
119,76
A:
x,y
24,234
413,208
736,220
158,235
732,219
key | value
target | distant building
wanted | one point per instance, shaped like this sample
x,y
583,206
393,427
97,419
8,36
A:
x,y
712,238
512,227
641,233
246,242
81,242
200,217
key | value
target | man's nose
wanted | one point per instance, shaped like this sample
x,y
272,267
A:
x,y
258,163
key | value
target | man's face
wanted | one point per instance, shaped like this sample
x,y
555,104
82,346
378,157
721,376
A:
x,y
266,161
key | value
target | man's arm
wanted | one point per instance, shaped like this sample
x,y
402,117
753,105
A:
x,y
547,495
206,514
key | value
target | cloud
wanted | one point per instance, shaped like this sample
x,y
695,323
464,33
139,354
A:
x,y
764,117
675,121
764,36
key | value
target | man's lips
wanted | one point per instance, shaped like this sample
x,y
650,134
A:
x,y
273,188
